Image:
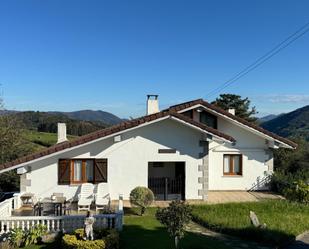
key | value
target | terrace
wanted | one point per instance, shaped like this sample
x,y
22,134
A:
x,y
57,214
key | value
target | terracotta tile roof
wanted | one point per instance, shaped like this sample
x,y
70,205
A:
x,y
234,117
172,111
109,131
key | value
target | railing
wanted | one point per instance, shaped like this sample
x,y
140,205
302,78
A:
x,y
261,184
165,186
61,223
54,223
10,204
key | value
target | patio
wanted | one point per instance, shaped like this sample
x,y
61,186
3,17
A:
x,y
13,214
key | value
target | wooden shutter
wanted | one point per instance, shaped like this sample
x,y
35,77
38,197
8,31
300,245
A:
x,y
64,171
100,170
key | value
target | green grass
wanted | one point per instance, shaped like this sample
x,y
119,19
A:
x,y
145,232
141,232
284,220
40,140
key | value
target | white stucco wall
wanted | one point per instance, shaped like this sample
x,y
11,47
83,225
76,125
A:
x,y
253,149
127,160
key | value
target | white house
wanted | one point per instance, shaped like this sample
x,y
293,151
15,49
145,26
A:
x,y
183,152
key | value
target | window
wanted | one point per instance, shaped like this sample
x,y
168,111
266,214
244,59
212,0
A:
x,y
89,170
232,164
82,170
77,171
208,119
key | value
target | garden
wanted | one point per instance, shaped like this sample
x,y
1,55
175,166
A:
x,y
150,227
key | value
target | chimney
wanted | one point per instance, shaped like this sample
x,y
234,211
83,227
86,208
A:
x,y
62,133
232,111
152,104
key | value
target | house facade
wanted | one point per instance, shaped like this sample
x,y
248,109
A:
x,y
182,152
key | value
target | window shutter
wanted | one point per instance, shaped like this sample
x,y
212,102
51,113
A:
x,y
100,170
63,171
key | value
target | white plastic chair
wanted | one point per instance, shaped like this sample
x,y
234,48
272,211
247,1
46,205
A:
x,y
102,199
85,197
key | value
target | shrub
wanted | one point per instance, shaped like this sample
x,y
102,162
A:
x,y
34,235
106,239
298,191
292,186
71,242
18,237
175,217
112,240
141,197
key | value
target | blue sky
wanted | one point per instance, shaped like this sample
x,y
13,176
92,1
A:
x,y
72,55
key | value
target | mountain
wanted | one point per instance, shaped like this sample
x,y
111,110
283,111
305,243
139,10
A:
x,y
84,115
89,115
267,118
295,123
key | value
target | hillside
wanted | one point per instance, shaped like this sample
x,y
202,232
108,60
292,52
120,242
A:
x,y
47,122
96,116
295,123
99,116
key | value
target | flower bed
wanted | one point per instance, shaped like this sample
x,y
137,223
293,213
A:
x,y
104,239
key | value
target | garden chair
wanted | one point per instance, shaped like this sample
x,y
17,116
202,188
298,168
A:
x,y
85,197
102,197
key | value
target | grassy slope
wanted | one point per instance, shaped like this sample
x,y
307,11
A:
x,y
284,220
40,140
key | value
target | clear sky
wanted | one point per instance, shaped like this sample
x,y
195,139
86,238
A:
x,y
72,55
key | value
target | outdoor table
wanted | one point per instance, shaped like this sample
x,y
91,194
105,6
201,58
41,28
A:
x,y
57,205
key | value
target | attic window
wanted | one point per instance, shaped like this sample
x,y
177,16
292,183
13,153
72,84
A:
x,y
208,119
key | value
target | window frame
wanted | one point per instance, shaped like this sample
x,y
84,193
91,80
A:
x,y
84,173
231,165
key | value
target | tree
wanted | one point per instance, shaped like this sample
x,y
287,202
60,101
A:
x,y
241,106
11,147
141,197
175,217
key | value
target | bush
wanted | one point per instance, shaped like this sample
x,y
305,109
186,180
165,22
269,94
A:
x,y
141,197
291,186
299,191
71,242
18,237
106,239
175,217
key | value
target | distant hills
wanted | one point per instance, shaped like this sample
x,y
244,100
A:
x,y
78,123
96,116
292,124
267,118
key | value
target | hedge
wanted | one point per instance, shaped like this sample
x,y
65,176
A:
x,y
105,239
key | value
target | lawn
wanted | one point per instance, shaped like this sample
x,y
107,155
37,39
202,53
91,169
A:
x,y
141,232
43,139
284,220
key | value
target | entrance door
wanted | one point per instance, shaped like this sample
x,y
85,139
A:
x,y
167,180
180,174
